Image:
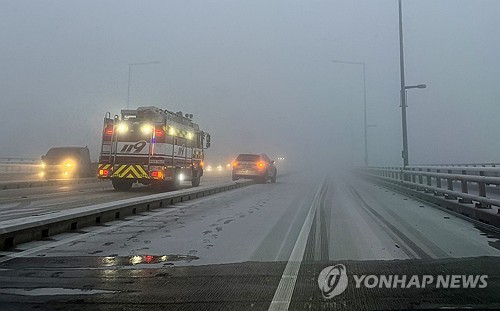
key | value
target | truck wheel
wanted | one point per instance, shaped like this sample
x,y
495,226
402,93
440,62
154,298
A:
x,y
121,185
235,178
273,179
195,182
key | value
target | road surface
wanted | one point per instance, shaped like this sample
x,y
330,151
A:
x,y
258,247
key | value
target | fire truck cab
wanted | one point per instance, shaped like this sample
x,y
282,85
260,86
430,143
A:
x,y
152,146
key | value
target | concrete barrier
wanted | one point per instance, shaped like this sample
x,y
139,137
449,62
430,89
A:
x,y
17,231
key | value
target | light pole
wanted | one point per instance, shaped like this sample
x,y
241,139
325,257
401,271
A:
x,y
403,89
364,104
129,71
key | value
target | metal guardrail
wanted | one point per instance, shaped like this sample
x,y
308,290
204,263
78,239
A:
x,y
19,165
487,164
430,179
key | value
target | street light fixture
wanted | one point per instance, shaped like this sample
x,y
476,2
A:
x,y
129,72
419,86
366,126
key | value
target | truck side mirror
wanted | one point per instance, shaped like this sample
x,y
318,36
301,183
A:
x,y
208,140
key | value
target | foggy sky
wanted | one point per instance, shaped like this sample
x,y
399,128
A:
x,y
257,75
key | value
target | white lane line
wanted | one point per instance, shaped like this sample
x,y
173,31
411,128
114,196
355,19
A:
x,y
122,223
283,294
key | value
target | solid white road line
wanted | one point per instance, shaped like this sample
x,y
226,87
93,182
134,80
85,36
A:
x,y
283,294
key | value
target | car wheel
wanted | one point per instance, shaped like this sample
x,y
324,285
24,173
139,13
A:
x,y
264,178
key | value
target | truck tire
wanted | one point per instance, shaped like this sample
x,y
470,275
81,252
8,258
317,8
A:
x,y
122,184
235,178
196,181
273,179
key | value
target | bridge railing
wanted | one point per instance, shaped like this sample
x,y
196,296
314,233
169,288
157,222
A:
x,y
453,183
19,165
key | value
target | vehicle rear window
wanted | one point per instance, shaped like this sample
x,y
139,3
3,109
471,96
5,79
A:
x,y
248,157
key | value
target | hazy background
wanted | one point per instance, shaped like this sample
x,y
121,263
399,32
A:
x,y
257,75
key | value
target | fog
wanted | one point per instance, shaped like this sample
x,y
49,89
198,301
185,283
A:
x,y
258,75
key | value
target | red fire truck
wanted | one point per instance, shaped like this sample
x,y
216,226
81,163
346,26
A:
x,y
152,146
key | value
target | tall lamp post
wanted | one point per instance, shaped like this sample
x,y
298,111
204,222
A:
x,y
364,104
403,89
129,73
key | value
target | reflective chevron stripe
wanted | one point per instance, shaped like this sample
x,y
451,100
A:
x,y
104,166
130,171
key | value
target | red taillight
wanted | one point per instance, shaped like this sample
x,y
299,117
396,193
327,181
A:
x,y
159,132
108,131
103,172
157,174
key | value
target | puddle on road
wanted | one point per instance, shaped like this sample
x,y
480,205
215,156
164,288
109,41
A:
x,y
53,291
110,261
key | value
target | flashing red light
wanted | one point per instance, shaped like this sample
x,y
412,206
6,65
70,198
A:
x,y
154,174
108,131
148,258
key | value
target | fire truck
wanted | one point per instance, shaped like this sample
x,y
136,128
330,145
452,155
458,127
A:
x,y
152,146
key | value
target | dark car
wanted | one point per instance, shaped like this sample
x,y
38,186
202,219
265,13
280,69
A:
x,y
254,166
66,162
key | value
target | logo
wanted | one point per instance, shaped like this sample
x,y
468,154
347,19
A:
x,y
136,148
332,281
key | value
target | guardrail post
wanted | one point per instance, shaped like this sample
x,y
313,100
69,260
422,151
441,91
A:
x,y
438,184
429,182
464,189
450,187
420,180
482,193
